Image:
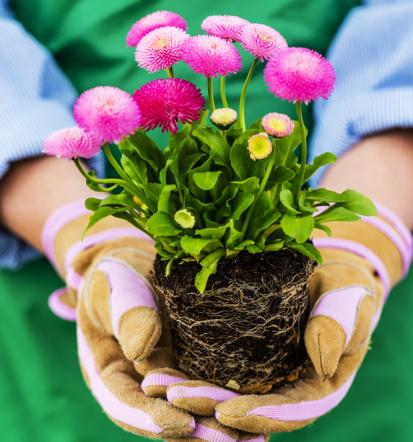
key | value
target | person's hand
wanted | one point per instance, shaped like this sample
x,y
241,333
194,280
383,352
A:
x,y
109,294
362,261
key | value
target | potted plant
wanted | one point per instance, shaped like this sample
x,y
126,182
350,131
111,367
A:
x,y
227,204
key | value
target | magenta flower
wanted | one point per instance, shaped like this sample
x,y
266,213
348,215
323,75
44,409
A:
x,y
299,74
277,125
211,56
161,48
164,102
228,27
108,113
153,21
71,142
261,41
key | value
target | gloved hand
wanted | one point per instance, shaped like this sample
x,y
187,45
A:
x,y
118,321
362,261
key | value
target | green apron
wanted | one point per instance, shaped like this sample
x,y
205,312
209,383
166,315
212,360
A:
x,y
42,395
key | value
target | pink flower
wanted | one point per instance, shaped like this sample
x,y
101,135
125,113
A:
x,y
228,27
161,48
277,125
71,142
299,74
261,41
108,113
153,21
210,56
164,102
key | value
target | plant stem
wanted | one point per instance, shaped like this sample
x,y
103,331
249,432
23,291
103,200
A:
x,y
223,94
115,182
244,94
211,94
264,181
170,72
303,146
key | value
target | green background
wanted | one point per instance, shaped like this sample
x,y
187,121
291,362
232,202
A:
x,y
42,395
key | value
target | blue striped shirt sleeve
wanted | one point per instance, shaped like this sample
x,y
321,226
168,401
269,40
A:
x,y
36,99
373,58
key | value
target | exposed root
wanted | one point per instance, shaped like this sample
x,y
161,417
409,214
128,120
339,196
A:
x,y
247,329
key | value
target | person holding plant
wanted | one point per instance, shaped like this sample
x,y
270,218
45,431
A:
x,y
109,321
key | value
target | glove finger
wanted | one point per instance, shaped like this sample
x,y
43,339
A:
x,y
339,323
120,298
156,382
292,407
209,429
116,386
198,397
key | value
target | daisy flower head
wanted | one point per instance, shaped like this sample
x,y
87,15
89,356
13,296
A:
x,y
277,125
153,21
165,102
299,74
211,56
228,27
108,113
161,48
261,41
71,142
259,146
224,117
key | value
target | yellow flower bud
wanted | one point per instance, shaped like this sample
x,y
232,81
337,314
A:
x,y
259,146
224,118
184,218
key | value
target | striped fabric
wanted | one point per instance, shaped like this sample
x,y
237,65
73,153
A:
x,y
373,58
372,54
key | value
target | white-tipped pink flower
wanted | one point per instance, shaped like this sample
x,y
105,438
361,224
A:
x,y
261,41
71,142
228,27
161,48
108,113
211,56
277,125
153,21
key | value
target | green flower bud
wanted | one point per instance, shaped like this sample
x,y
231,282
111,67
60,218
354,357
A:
x,y
184,218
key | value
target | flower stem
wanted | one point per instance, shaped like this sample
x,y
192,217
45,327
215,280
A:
x,y
211,94
244,93
303,146
98,181
170,72
223,94
264,181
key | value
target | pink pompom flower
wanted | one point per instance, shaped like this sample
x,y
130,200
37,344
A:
x,y
71,142
277,125
153,21
108,113
228,27
161,48
261,41
211,56
165,102
299,74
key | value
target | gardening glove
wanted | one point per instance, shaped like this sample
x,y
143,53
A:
x,y
118,321
362,261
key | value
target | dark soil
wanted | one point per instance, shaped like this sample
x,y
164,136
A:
x,y
246,331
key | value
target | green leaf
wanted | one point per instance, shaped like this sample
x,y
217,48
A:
x,y
251,184
164,202
308,250
209,264
161,224
336,213
282,174
216,141
146,149
212,232
102,212
240,204
324,228
234,235
195,246
92,203
206,180
325,196
240,161
274,247
320,161
287,200
243,245
299,228
358,203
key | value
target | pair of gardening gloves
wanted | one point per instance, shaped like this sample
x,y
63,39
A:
x,y
125,351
